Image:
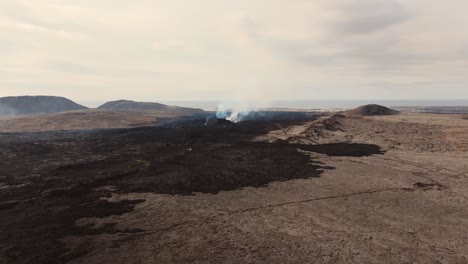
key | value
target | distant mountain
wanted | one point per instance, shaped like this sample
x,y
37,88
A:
x,y
132,105
25,105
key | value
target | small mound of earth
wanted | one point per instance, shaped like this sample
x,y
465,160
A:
x,y
373,110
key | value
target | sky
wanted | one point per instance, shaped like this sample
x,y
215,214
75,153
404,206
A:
x,y
153,50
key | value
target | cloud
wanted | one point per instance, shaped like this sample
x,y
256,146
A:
x,y
366,16
209,49
367,35
71,67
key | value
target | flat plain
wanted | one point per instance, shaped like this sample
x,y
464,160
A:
x,y
333,188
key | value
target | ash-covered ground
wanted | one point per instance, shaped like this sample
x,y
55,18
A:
x,y
49,180
290,188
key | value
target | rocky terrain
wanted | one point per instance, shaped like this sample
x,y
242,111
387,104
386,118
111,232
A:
x,y
25,105
313,189
392,134
46,113
49,113
86,119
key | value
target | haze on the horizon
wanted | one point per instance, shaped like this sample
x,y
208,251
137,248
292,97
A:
x,y
219,49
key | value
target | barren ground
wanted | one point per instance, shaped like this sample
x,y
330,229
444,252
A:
x,y
390,189
84,119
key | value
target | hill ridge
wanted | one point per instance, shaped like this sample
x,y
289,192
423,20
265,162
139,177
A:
x,y
36,104
124,104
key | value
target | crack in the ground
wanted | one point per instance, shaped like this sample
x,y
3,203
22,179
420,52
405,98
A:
x,y
174,226
310,200
244,210
430,168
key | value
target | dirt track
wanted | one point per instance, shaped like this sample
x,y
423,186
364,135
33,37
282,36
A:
x,y
193,194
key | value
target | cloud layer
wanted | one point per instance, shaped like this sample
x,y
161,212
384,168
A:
x,y
219,49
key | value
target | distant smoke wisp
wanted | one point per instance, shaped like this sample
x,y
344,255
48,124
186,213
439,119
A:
x,y
7,111
234,115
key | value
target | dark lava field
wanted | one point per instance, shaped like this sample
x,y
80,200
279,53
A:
x,y
51,179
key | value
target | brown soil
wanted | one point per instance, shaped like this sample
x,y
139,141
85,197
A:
x,y
396,135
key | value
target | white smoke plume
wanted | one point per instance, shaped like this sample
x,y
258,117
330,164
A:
x,y
242,110
233,114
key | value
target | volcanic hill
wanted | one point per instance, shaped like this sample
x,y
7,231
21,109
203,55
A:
x,y
25,105
372,110
132,105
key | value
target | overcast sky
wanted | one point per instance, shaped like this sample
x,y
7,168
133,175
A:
x,y
221,49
